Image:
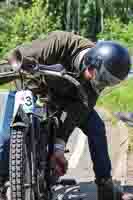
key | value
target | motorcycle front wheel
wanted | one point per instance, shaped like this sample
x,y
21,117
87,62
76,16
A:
x,y
20,167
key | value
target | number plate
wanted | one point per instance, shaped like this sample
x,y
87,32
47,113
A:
x,y
25,98
28,104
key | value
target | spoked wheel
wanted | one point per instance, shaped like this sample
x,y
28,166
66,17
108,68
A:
x,y
20,168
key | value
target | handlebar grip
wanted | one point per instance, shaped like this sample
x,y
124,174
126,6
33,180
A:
x,y
82,94
71,79
63,74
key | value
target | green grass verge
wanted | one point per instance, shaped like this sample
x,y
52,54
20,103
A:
x,y
8,86
118,99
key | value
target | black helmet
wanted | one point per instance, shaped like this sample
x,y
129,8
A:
x,y
111,61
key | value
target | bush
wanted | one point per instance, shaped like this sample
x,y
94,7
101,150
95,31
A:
x,y
115,30
25,25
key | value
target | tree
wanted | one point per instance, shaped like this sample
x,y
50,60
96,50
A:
x,y
73,16
99,17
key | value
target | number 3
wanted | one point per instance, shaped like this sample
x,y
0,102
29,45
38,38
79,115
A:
x,y
28,101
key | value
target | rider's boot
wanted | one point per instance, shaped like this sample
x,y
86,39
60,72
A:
x,y
107,190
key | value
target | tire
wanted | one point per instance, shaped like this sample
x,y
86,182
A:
x,y
18,166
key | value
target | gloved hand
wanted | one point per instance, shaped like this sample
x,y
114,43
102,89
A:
x,y
18,61
15,59
59,163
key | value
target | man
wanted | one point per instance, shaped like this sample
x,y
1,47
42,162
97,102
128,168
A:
x,y
97,65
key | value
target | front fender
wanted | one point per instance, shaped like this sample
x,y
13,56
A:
x,y
20,118
24,105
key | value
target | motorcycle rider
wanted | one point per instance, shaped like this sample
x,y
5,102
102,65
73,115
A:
x,y
97,66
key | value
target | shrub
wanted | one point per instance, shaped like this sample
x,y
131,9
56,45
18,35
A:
x,y
27,24
114,29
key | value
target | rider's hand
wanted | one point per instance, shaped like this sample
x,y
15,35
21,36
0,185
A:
x,y
15,59
59,162
18,61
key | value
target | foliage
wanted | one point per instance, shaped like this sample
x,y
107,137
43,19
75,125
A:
x,y
25,25
5,15
20,24
22,3
114,29
87,16
56,10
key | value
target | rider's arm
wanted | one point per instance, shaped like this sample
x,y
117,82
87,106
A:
x,y
76,116
58,47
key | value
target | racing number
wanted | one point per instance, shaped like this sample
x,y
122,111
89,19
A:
x,y
28,101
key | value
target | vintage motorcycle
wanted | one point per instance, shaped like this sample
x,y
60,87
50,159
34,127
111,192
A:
x,y
33,130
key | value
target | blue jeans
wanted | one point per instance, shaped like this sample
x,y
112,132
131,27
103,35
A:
x,y
95,131
93,126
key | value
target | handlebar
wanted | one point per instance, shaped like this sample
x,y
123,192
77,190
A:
x,y
62,73
56,70
6,77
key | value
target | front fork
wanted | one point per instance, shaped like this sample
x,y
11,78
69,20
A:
x,y
33,150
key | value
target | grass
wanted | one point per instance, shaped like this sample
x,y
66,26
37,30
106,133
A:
x,y
118,99
8,86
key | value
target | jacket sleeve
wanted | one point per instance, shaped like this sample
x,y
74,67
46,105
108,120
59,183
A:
x,y
59,47
73,119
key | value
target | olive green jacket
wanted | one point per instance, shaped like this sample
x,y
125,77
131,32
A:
x,y
64,48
